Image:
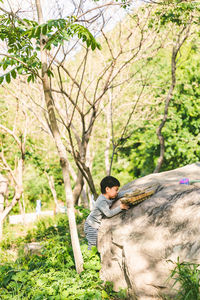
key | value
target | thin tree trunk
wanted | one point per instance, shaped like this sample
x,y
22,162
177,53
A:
x,y
22,212
61,151
109,133
1,211
15,199
23,204
1,230
162,124
65,170
78,191
53,190
18,180
84,198
20,169
175,51
78,187
18,193
85,170
80,160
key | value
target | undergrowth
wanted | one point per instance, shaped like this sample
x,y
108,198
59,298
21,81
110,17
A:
x,y
51,273
186,276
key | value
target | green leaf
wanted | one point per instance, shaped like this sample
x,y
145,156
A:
x,y
5,65
44,29
1,79
93,46
49,73
8,79
38,32
104,295
99,46
88,42
29,78
14,74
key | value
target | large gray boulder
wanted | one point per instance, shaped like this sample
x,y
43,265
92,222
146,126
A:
x,y
136,245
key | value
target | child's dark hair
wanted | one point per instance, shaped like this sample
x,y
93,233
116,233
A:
x,y
108,181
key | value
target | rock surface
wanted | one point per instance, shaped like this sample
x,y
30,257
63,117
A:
x,y
136,245
33,248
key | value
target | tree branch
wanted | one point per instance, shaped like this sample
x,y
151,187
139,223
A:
x,y
23,63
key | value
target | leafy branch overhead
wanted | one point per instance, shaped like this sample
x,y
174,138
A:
x,y
55,32
23,40
176,12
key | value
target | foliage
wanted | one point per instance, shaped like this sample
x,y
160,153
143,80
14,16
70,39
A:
x,y
182,129
36,189
187,276
177,12
40,162
23,53
51,274
82,214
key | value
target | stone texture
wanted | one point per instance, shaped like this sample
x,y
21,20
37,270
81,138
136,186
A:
x,y
136,245
33,248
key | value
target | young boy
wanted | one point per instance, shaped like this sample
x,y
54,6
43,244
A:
x,y
109,189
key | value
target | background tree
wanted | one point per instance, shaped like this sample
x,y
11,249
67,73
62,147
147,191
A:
x,y
181,139
88,94
20,35
182,19
13,166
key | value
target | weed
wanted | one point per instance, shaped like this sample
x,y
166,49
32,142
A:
x,y
187,276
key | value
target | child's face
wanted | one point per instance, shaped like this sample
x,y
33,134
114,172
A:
x,y
112,192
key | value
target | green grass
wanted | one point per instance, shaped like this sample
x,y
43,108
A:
x,y
186,276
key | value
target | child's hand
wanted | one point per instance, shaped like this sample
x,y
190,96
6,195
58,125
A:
x,y
124,206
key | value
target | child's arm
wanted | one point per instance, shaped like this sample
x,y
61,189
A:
x,y
112,212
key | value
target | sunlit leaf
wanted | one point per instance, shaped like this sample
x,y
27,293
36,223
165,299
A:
x,y
1,79
8,79
13,73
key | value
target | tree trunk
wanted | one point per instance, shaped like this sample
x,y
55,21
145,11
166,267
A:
x,y
78,187
20,169
80,159
53,191
109,133
61,151
1,202
18,190
84,198
175,51
65,170
1,211
17,196
1,229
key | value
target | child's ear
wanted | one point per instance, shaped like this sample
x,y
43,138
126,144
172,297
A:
x,y
107,189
